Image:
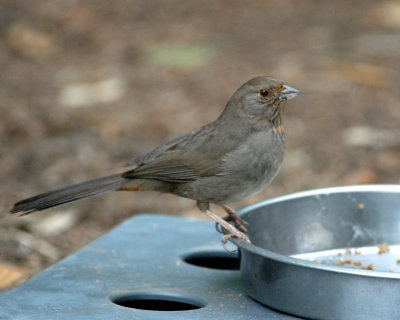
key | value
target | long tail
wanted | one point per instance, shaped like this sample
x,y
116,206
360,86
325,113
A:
x,y
68,194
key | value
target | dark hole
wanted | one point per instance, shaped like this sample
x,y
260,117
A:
x,y
157,305
221,260
161,301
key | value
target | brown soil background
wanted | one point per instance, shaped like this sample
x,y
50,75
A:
x,y
87,85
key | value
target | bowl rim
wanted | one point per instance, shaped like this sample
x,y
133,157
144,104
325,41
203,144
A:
x,y
243,245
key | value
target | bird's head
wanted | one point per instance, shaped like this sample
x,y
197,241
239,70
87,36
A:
x,y
261,99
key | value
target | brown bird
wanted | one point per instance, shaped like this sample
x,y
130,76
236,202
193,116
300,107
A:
x,y
225,161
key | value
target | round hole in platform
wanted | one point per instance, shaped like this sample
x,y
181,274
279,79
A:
x,y
214,259
158,301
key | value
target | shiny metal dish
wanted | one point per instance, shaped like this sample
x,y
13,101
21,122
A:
x,y
311,252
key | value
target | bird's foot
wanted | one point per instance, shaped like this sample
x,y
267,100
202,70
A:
x,y
232,231
239,223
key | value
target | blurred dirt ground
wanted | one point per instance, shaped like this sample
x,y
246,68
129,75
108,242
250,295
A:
x,y
87,85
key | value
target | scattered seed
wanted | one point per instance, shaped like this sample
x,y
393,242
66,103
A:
x,y
340,262
368,267
383,248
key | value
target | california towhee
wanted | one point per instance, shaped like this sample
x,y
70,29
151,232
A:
x,y
225,161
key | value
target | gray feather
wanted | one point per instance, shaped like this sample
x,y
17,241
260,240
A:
x,y
68,194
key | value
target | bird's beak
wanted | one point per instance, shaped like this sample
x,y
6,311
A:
x,y
288,93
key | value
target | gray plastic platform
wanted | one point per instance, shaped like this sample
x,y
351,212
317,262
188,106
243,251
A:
x,y
140,264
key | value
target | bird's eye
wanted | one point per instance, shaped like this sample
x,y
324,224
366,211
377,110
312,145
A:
x,y
263,93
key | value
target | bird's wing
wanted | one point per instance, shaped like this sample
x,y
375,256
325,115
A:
x,y
182,159
150,156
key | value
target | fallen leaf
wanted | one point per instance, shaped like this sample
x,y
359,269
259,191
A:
x,y
11,276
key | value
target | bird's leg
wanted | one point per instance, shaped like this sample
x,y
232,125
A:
x,y
232,231
237,221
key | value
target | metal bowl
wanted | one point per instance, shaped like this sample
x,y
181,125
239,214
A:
x,y
311,252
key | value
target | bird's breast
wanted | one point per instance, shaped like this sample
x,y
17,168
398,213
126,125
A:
x,y
255,163
244,171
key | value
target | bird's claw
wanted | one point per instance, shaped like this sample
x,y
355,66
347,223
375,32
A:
x,y
237,221
231,230
239,224
239,235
